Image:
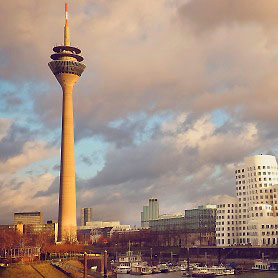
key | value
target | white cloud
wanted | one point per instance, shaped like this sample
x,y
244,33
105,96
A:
x,y
33,151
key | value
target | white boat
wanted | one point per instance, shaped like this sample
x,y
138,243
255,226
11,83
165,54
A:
x,y
220,270
163,268
122,269
183,267
265,265
155,270
203,273
124,262
140,269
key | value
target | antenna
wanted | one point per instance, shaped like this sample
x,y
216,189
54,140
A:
x,y
66,13
66,29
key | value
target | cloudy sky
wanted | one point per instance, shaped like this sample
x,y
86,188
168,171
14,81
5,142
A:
x,y
175,93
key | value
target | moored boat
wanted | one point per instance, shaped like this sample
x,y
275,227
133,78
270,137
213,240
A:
x,y
203,273
140,269
155,270
221,270
122,269
163,268
265,265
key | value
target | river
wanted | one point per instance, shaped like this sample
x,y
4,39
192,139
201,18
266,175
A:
x,y
179,275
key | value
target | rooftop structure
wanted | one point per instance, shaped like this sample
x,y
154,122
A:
x,y
34,217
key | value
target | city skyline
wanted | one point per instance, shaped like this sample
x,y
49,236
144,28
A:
x,y
171,100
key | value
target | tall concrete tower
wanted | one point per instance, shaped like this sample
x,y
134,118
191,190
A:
x,y
67,68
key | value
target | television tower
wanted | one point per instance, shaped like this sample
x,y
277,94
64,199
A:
x,y
67,67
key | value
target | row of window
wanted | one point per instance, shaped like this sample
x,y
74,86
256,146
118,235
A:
x,y
261,173
255,180
228,211
272,226
261,167
254,168
228,205
255,186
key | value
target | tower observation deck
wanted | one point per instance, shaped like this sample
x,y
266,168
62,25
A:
x,y
67,67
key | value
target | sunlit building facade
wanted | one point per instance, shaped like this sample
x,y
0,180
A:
x,y
86,216
34,217
150,212
254,215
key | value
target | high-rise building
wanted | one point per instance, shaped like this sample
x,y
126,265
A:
x,y
150,212
67,67
34,217
251,219
86,216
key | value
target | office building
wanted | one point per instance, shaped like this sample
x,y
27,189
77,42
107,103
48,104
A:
x,y
49,229
252,218
28,217
86,216
150,212
168,222
99,224
202,218
67,67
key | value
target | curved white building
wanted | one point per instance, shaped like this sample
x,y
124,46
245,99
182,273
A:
x,y
257,203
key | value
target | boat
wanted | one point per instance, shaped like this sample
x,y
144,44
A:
x,y
122,269
265,265
155,270
183,267
163,268
140,269
221,270
202,273
124,262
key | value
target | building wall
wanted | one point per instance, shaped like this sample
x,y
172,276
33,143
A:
x,y
257,192
86,215
150,212
202,218
227,223
28,218
173,223
35,229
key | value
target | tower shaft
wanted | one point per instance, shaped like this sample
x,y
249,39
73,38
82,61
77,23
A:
x,y
67,196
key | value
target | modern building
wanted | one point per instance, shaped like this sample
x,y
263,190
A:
x,y
34,217
99,224
226,222
150,212
166,222
195,227
251,219
50,230
15,228
202,218
86,216
67,67
93,230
